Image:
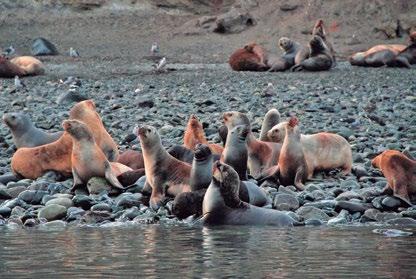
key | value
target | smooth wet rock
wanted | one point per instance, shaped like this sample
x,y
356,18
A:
x,y
127,200
74,213
350,185
101,207
385,216
347,196
17,211
391,203
368,194
285,202
359,171
56,224
322,204
342,218
42,46
404,221
15,191
351,206
409,212
4,195
31,222
5,211
310,212
66,202
130,213
94,217
96,185
371,214
55,188
83,201
71,96
52,212
33,196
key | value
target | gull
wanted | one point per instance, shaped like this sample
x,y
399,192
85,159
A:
x,y
154,49
269,90
73,52
160,66
18,84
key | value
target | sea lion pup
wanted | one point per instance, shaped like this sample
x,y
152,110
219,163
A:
x,y
323,151
400,172
271,119
377,56
222,205
261,155
165,174
30,65
235,153
194,134
132,159
24,132
251,57
88,160
9,70
406,57
85,111
287,60
319,58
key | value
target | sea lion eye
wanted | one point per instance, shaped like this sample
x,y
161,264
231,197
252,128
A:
x,y
13,117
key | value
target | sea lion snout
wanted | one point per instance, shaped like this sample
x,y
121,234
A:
x,y
7,118
202,151
293,122
66,124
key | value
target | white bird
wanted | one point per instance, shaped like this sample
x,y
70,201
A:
x,y
18,84
269,90
162,63
73,52
154,49
9,51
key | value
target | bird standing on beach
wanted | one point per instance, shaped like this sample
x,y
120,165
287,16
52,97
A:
x,y
161,65
154,49
73,52
18,84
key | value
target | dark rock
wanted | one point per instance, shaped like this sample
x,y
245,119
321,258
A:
x,y
74,213
4,195
96,185
52,212
342,218
41,46
15,191
101,207
310,212
285,202
351,206
371,214
127,200
391,203
313,222
71,96
83,201
32,196
347,196
5,211
402,221
31,222
322,204
359,171
286,7
145,102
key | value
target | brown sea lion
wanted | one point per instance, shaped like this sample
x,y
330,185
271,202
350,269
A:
x,y
251,57
87,158
235,153
10,70
194,134
406,57
261,155
85,111
271,119
30,65
323,151
222,205
319,58
24,132
377,56
132,159
165,174
287,60
400,172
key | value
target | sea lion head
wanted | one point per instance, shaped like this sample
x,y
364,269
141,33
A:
x,y
277,133
226,179
412,37
239,133
202,152
376,161
285,43
292,127
319,29
16,121
235,118
250,47
77,129
317,44
148,135
83,108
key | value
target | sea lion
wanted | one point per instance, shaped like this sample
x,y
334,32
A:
x,y
251,57
222,205
377,56
165,174
235,153
319,30
323,151
85,111
287,60
271,119
87,158
406,57
194,134
132,159
10,70
24,132
319,58
130,177
222,132
400,172
261,155
30,65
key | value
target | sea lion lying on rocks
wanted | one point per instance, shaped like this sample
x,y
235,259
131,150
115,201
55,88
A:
x,y
287,60
222,205
24,132
377,56
30,65
251,57
400,172
10,70
319,57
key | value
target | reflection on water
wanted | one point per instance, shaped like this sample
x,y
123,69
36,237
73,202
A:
x,y
159,251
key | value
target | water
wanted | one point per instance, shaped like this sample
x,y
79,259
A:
x,y
160,251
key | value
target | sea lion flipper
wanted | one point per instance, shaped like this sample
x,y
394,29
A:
x,y
400,192
111,178
296,68
298,179
271,173
77,181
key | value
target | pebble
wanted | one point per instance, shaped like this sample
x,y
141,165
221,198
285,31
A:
x,y
52,212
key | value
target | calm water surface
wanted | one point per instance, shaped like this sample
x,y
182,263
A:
x,y
161,251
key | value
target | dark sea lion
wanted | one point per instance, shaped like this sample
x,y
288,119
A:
x,y
165,174
222,132
235,153
271,119
10,70
319,30
287,60
30,65
222,205
406,57
87,158
182,153
251,57
130,177
319,58
400,172
24,133
323,151
194,134
261,155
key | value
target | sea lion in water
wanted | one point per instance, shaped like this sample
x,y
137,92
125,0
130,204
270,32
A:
x,y
10,70
24,133
261,155
194,134
165,174
271,119
400,172
222,205
287,60
235,153
323,151
251,57
377,56
319,58
87,158
30,65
